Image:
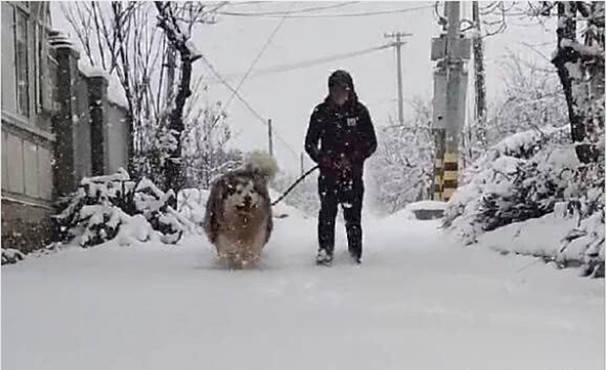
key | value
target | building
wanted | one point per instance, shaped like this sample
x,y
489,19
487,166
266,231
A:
x,y
58,124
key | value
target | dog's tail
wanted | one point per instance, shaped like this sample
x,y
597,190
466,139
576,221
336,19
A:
x,y
262,163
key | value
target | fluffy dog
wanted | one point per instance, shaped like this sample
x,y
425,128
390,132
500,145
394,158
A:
x,y
238,220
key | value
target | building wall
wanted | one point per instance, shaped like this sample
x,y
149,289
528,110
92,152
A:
x,y
117,137
48,147
27,141
9,98
81,123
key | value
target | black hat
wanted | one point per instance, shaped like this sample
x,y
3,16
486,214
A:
x,y
341,78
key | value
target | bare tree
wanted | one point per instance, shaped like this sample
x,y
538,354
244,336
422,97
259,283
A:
x,y
580,67
121,39
579,64
205,155
532,99
138,43
177,20
402,167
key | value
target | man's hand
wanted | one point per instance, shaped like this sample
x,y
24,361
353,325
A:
x,y
326,163
341,166
344,168
346,162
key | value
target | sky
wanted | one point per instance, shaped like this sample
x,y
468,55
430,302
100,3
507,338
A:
x,y
287,98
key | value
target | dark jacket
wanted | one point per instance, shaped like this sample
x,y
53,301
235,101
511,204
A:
x,y
336,131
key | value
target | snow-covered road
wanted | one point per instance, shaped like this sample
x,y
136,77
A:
x,y
417,302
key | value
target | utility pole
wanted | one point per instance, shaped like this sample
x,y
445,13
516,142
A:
x,y
302,164
398,45
270,138
478,64
476,131
450,81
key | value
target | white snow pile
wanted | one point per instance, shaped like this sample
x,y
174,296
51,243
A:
x,y
10,255
157,307
425,209
431,205
283,209
191,204
115,207
403,214
517,179
523,178
558,236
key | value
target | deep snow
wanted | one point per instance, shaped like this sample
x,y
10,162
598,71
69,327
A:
x,y
418,301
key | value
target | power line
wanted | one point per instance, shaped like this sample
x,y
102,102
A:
x,y
246,104
336,15
235,92
312,62
254,62
281,12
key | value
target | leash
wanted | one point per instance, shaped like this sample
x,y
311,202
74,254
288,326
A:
x,y
294,185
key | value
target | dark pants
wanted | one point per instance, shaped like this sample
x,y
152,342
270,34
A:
x,y
349,194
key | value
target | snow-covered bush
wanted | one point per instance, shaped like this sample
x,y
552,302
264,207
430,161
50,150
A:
x,y
521,177
525,176
401,169
105,207
191,204
153,203
205,152
532,98
10,255
585,197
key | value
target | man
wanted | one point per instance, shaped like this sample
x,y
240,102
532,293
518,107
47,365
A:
x,y
340,137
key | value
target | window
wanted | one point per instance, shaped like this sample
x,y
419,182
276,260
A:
x,y
41,72
38,71
21,62
9,96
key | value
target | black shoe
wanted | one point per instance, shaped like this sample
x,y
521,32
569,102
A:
x,y
356,258
324,258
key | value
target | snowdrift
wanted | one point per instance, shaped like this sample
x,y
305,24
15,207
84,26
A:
x,y
527,186
113,209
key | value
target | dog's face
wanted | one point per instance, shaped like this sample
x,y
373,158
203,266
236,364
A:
x,y
241,193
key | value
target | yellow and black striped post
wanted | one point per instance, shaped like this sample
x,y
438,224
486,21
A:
x,y
438,172
451,175
438,163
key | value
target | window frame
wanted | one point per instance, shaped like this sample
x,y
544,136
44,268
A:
x,y
18,11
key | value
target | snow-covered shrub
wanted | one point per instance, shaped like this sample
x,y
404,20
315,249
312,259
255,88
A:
x,y
102,206
521,177
205,151
532,98
531,175
93,213
10,255
153,204
401,169
585,201
585,243
191,204
556,237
